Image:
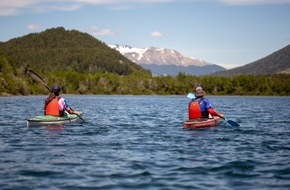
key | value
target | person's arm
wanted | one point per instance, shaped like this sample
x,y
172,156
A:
x,y
68,109
207,103
211,111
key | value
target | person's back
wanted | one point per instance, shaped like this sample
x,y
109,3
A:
x,y
56,105
201,107
194,110
52,106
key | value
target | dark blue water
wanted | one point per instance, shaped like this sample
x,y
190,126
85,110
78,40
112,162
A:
x,y
138,142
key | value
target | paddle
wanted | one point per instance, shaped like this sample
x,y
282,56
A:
x,y
78,116
230,122
37,78
190,96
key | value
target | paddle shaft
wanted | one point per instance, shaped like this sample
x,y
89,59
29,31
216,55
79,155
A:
x,y
37,78
78,115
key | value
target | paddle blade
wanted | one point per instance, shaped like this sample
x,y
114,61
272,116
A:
x,y
81,118
191,96
37,78
233,123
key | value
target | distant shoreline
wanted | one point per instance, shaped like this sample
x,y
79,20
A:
x,y
209,95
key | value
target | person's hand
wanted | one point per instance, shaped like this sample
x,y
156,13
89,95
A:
x,y
72,112
221,115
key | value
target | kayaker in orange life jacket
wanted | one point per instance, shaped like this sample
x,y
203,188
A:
x,y
201,107
56,105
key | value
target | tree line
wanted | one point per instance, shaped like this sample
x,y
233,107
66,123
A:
x,y
82,64
15,81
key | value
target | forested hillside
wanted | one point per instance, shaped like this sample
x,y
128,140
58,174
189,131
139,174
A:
x,y
11,83
139,83
80,64
275,63
58,49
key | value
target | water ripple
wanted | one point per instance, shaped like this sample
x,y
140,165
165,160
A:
x,y
138,142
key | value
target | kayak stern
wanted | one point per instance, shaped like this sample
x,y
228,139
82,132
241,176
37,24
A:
x,y
201,123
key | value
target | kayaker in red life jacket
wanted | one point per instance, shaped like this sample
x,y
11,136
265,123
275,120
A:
x,y
200,107
56,105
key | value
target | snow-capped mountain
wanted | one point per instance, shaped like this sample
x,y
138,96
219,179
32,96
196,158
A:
x,y
166,61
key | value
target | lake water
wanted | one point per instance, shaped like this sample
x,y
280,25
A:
x,y
138,142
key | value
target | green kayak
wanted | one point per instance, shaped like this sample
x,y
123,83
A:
x,y
42,120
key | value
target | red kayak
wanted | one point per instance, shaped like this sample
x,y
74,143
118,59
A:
x,y
201,122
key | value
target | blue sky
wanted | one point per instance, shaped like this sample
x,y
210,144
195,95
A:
x,y
229,33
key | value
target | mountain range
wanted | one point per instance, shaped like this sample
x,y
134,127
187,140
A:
x,y
162,61
276,63
84,65
58,49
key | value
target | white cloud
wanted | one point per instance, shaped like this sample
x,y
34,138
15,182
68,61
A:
x,y
7,11
69,7
13,7
121,1
95,31
33,26
156,34
97,2
254,2
233,2
18,3
16,7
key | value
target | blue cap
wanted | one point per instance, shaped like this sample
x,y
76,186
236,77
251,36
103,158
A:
x,y
56,89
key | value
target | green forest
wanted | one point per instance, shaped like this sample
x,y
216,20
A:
x,y
60,50
81,64
15,81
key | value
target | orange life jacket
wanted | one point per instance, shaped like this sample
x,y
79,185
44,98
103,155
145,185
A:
x,y
52,108
194,111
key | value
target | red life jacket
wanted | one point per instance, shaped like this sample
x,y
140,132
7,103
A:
x,y
194,111
52,108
